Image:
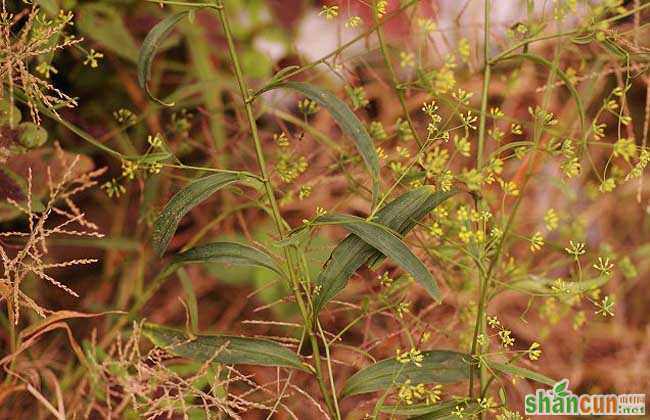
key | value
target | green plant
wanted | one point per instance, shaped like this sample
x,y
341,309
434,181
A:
x,y
380,232
445,216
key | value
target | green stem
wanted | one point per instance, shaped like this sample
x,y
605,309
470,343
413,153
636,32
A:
x,y
391,70
483,116
277,218
487,70
479,325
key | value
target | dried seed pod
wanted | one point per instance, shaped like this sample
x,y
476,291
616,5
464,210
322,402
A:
x,y
31,135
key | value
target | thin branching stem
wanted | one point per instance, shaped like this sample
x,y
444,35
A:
x,y
480,316
393,76
277,218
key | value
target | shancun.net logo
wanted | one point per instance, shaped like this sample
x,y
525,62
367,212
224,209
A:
x,y
561,401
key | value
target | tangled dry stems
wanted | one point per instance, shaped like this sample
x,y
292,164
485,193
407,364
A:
x,y
37,36
26,254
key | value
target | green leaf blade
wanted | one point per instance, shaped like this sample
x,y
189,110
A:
x,y
228,253
184,201
346,119
385,241
439,410
437,366
149,47
400,215
514,370
226,349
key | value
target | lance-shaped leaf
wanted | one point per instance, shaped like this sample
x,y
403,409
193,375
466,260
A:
x,y
388,243
543,286
407,210
149,47
400,215
346,119
227,253
437,366
439,410
184,201
226,349
511,369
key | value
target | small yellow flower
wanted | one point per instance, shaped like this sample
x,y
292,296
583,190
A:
x,y
426,25
435,230
305,192
385,280
604,266
625,148
155,141
353,22
509,188
575,248
414,356
381,154
462,145
496,112
381,8
465,235
534,351
281,139
45,69
403,308
551,219
92,58
330,12
403,152
129,169
607,185
536,242
464,49
407,59
506,339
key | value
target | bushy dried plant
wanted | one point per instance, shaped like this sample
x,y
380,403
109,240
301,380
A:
x,y
26,254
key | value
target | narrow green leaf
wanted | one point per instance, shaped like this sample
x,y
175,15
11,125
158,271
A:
x,y
228,253
437,366
277,77
150,44
184,201
346,119
227,349
615,48
389,244
583,39
407,210
519,371
439,410
537,285
152,157
400,215
561,74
